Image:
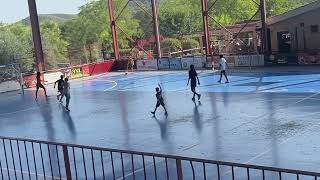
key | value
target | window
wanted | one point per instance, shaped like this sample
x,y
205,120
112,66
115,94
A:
x,y
314,28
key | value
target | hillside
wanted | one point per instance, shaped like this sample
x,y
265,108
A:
x,y
58,18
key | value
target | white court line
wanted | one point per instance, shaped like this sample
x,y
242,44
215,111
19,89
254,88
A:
x,y
24,110
115,85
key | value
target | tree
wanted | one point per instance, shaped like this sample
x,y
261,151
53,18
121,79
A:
x,y
16,46
91,30
189,43
170,45
180,17
55,48
232,11
276,7
183,17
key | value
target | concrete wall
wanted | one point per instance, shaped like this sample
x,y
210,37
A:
x,y
294,26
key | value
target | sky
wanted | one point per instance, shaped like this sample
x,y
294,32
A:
x,y
15,10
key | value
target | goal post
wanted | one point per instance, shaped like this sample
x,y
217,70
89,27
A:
x,y
11,78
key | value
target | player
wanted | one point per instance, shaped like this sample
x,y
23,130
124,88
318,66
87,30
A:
x,y
212,63
159,100
66,92
193,76
223,67
60,88
39,85
130,64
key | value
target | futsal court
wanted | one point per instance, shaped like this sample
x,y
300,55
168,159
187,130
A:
x,y
266,118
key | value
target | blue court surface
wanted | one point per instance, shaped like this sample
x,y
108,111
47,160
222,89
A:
x,y
262,118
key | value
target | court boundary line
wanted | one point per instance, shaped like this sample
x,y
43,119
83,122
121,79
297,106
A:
x,y
110,88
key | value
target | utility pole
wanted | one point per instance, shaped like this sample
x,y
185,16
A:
x,y
206,34
156,28
37,44
264,27
113,31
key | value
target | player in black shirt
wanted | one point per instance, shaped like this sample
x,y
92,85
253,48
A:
x,y
159,100
60,87
40,85
193,76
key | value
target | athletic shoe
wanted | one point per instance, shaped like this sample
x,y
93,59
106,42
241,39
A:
x,y
67,109
199,97
219,81
153,113
193,99
227,82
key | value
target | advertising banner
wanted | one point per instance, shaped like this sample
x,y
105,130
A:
x,y
164,63
257,60
186,62
242,61
282,59
175,63
309,59
249,60
147,65
76,73
198,62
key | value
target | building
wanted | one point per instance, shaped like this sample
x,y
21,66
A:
x,y
296,31
242,38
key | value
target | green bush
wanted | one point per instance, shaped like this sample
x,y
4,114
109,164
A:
x,y
190,44
125,52
134,53
170,45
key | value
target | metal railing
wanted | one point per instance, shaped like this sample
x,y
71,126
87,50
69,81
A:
x,y
33,159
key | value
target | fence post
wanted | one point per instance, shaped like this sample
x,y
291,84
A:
x,y
179,169
67,162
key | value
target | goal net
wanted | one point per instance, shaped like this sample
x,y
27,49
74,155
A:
x,y
11,78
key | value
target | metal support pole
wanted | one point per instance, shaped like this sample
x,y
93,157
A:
x,y
156,27
37,44
113,31
21,79
179,169
264,27
204,4
66,162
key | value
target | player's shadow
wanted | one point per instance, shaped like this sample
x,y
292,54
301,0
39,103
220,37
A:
x,y
163,124
197,116
69,121
46,113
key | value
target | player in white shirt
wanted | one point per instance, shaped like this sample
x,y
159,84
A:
x,y
223,67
